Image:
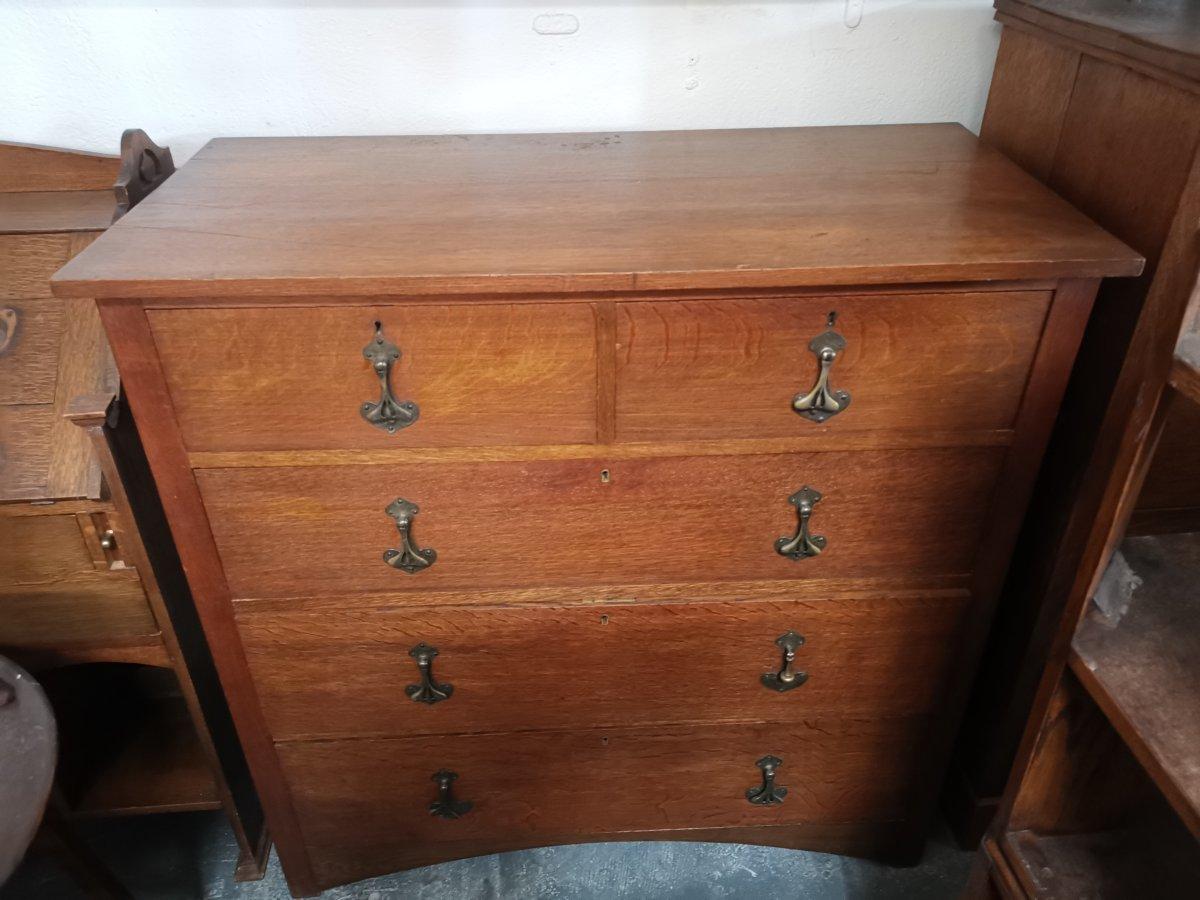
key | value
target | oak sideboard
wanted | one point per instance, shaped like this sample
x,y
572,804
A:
x,y
537,489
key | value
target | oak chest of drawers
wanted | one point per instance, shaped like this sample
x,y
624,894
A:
x,y
549,488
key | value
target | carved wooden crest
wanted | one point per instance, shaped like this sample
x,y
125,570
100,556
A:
x,y
144,166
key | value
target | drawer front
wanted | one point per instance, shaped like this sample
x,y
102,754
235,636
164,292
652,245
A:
x,y
297,378
27,261
353,671
30,335
364,805
51,592
731,368
324,531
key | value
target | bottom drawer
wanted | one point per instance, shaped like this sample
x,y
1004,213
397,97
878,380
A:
x,y
365,805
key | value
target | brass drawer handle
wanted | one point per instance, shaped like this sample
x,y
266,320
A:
x,y
767,794
823,402
389,413
409,558
445,806
8,319
428,690
787,677
802,544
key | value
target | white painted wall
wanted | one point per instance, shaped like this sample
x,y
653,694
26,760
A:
x,y
75,73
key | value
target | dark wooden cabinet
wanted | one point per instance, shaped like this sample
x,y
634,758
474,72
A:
x,y
581,487
1100,99
92,599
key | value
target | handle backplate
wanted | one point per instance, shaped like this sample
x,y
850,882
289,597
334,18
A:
x,y
409,557
803,543
767,793
822,402
388,413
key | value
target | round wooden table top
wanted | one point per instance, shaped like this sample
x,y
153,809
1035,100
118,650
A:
x,y
28,749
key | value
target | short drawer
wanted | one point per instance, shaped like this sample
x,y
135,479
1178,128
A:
x,y
297,378
397,671
364,805
305,531
52,593
689,370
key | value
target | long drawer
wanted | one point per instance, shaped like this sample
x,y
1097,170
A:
x,y
304,531
365,805
408,671
296,378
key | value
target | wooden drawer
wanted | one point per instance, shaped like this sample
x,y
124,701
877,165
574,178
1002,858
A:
x,y
324,530
730,368
363,805
30,333
296,378
27,261
338,673
53,593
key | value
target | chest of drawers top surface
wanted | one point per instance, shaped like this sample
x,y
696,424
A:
x,y
593,212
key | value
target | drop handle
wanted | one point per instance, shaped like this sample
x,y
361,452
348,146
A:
x,y
388,413
787,677
408,558
427,690
823,401
803,543
767,793
445,806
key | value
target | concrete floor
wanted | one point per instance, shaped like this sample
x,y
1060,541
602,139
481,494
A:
x,y
190,856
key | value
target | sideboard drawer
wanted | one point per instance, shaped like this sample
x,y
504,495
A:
x,y
298,379
52,592
305,531
354,671
711,369
365,804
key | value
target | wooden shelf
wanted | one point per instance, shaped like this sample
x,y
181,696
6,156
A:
x,y
1113,865
1143,668
158,766
1185,367
127,744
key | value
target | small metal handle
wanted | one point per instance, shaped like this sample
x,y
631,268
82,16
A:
x,y
823,402
787,677
8,327
389,413
445,806
767,794
428,690
409,558
802,544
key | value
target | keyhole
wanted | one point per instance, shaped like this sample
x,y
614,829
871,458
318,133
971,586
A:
x,y
604,620
605,476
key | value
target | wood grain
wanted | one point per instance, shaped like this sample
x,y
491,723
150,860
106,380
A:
x,y
480,374
1143,669
28,261
603,664
28,167
730,368
1024,131
312,531
30,333
36,212
50,592
633,211
363,804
